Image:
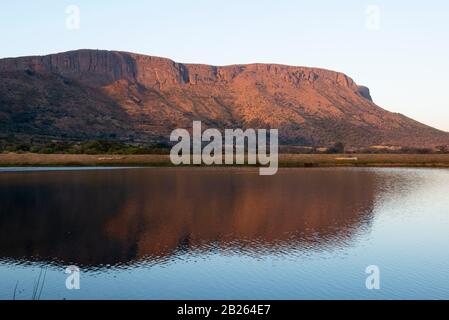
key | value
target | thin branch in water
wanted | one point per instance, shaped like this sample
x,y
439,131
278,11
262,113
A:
x,y
15,290
36,286
42,285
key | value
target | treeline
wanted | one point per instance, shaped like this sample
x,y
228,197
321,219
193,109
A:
x,y
405,150
89,147
114,147
340,148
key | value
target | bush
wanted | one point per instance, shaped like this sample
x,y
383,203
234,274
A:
x,y
47,150
443,149
35,149
411,150
338,147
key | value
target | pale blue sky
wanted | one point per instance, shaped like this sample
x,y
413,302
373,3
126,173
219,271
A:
x,y
405,61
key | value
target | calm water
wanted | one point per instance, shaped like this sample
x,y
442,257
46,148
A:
x,y
225,233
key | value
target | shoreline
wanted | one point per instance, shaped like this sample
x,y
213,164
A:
x,y
285,160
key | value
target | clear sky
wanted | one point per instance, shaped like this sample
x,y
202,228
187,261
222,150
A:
x,y
399,49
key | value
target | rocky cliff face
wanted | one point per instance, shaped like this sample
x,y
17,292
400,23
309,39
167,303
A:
x,y
90,94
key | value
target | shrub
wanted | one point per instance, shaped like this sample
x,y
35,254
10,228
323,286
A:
x,y
35,149
338,147
47,150
443,149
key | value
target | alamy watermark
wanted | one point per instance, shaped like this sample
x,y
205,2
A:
x,y
191,151
372,20
72,281
73,19
373,280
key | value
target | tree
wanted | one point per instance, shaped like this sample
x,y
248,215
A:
x,y
338,147
443,149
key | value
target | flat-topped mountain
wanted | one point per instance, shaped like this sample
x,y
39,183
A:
x,y
92,94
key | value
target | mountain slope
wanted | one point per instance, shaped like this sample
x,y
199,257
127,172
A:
x,y
89,94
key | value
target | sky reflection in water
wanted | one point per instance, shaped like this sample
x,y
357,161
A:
x,y
226,233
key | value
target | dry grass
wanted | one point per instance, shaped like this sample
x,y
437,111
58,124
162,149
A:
x,y
31,159
285,160
370,160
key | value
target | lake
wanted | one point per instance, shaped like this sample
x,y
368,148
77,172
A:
x,y
224,233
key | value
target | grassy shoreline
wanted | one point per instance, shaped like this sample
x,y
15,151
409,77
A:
x,y
285,160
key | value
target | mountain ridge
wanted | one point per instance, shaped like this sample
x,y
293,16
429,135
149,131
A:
x,y
98,94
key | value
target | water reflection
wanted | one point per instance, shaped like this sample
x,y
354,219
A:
x,y
114,218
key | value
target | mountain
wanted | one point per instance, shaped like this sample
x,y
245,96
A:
x,y
92,94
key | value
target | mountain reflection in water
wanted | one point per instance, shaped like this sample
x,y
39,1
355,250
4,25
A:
x,y
120,217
